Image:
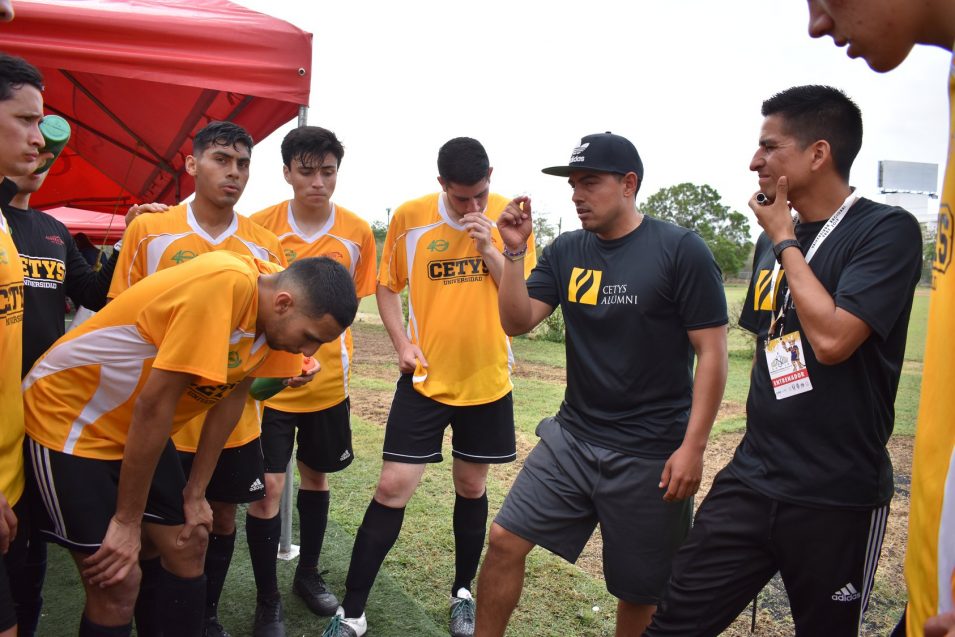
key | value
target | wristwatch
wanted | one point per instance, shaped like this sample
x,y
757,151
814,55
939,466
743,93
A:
x,y
782,245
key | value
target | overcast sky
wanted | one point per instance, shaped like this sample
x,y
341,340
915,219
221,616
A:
x,y
682,79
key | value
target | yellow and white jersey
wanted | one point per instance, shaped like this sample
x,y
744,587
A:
x,y
346,238
198,319
11,356
154,242
930,555
452,301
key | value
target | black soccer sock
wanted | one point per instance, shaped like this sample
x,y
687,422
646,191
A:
x,y
147,604
312,520
470,525
376,535
27,587
218,559
182,603
263,537
89,629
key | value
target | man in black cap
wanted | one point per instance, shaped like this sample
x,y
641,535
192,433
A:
x,y
639,296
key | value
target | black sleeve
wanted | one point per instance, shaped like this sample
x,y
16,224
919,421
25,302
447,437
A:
x,y
86,286
748,316
882,272
542,284
698,284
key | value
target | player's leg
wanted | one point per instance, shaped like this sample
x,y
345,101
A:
x,y
724,562
828,559
413,437
324,446
263,525
549,505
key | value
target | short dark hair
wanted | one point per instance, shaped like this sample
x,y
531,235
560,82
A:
x,y
311,144
15,73
817,112
221,134
326,288
463,161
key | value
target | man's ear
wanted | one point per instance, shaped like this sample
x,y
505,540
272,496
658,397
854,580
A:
x,y
821,152
444,185
191,162
283,302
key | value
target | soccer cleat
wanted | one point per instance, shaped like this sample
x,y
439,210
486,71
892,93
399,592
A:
x,y
212,628
269,618
342,626
310,586
462,614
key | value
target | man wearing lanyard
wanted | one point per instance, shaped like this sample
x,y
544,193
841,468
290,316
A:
x,y
808,489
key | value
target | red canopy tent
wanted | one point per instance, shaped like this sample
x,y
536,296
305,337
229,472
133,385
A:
x,y
102,228
137,78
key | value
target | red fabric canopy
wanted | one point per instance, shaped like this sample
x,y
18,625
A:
x,y
138,78
100,227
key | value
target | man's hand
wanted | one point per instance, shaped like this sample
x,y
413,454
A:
x,y
8,525
408,358
682,473
479,227
305,377
515,223
775,217
197,513
116,556
138,209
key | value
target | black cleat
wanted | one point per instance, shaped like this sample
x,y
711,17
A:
x,y
269,618
310,586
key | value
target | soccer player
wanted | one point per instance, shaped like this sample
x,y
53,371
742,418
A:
x,y
102,403
220,166
808,489
639,297
308,225
883,33
454,360
21,110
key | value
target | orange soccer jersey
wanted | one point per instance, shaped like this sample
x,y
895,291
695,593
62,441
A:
x,y
11,355
158,241
452,301
198,319
346,238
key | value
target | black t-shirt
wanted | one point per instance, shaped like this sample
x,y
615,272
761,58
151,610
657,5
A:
x,y
826,447
627,306
53,268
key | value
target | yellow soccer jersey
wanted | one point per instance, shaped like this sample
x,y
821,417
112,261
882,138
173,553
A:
x,y
452,301
930,556
11,356
346,238
158,241
198,319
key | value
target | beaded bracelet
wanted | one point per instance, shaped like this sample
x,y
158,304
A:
x,y
515,256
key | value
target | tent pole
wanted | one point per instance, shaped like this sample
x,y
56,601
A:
x,y
287,550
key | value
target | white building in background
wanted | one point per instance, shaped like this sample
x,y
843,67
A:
x,y
913,186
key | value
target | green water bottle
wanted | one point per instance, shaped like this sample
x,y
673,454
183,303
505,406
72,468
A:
x,y
56,132
265,388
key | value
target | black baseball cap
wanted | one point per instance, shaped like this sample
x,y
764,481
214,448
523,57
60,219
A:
x,y
603,152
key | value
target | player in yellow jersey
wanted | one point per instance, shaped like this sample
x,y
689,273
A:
x,y
883,32
220,166
454,360
21,110
103,401
308,225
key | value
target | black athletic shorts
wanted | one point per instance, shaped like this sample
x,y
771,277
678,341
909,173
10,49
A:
x,y
567,486
239,476
78,495
827,559
480,433
324,438
13,562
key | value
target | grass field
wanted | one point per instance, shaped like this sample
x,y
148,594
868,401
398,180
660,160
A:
x,y
411,594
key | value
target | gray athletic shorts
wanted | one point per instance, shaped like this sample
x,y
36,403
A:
x,y
568,486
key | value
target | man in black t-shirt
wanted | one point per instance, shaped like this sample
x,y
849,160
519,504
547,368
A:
x,y
808,489
639,297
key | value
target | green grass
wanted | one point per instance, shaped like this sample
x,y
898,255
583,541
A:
x,y
411,593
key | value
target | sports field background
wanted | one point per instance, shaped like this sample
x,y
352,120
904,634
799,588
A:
x,y
411,594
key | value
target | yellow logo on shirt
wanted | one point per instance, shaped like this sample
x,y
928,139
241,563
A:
x,y
183,255
438,245
290,255
584,285
234,360
762,297
944,241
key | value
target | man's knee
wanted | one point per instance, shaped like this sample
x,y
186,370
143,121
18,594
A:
x,y
114,604
268,507
223,517
312,480
504,546
397,484
185,559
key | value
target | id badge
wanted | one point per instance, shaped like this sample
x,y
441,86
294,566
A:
x,y
787,366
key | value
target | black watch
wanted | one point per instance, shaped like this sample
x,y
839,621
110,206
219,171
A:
x,y
782,245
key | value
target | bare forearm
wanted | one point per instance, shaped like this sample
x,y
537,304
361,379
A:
x,y
218,426
494,261
709,382
147,437
514,303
